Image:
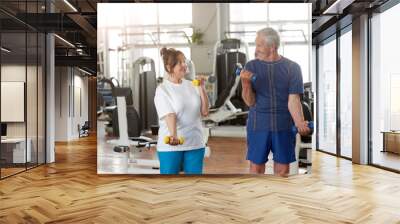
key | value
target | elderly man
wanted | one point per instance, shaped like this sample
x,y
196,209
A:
x,y
274,101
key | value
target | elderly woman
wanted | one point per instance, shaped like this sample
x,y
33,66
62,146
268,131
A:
x,y
180,106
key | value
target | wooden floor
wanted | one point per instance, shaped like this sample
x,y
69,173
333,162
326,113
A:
x,y
70,191
10,171
387,159
223,160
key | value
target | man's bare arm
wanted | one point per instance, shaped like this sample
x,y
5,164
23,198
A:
x,y
296,111
295,108
248,94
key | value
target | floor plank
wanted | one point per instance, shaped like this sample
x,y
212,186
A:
x,y
70,191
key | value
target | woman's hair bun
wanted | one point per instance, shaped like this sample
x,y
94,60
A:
x,y
163,51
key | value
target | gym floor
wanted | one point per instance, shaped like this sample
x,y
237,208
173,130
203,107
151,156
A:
x,y
228,156
71,191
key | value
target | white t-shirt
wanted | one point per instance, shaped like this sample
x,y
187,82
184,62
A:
x,y
183,99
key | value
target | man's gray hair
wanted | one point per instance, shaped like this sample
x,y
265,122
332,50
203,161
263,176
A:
x,y
271,36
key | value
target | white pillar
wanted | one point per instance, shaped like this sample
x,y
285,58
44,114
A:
x,y
222,19
360,90
50,100
50,92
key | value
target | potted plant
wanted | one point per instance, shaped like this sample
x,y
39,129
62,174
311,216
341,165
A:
x,y
197,37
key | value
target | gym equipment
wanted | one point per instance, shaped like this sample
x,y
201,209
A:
x,y
106,103
224,108
228,53
227,56
303,148
134,123
124,121
84,130
191,71
143,82
167,140
212,79
104,93
124,143
141,112
308,96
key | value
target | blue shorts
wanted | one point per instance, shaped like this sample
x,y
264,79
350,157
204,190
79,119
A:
x,y
191,161
281,143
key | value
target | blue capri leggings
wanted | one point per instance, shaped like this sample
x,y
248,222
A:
x,y
191,161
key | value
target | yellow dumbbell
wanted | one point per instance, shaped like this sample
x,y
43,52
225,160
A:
x,y
167,140
196,82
